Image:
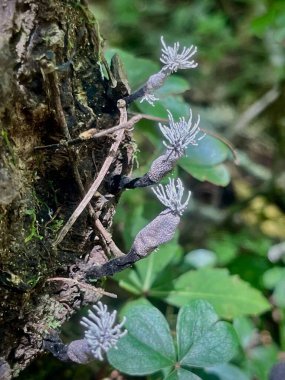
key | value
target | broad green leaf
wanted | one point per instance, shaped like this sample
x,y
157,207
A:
x,y
130,304
209,152
175,104
173,85
204,161
150,268
218,175
158,110
200,258
202,339
193,322
129,280
141,278
148,347
182,374
230,296
227,372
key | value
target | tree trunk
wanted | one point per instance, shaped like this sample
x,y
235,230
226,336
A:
x,y
51,89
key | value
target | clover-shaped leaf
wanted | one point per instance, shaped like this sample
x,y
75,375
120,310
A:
x,y
182,374
148,347
202,340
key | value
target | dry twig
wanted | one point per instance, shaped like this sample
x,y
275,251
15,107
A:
x,y
100,177
82,285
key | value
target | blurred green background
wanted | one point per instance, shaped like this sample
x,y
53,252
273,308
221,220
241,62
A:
x,y
235,224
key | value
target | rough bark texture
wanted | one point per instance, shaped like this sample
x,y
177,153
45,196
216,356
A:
x,y
50,55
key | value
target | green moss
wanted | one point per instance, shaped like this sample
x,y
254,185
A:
x,y
34,229
8,144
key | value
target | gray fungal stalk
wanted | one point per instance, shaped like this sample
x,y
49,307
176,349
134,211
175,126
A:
x,y
157,232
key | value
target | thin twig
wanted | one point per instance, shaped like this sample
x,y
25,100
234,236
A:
x,y
82,285
50,75
104,233
127,125
149,117
108,238
100,177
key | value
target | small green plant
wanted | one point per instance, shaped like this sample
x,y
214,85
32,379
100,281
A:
x,y
202,340
34,229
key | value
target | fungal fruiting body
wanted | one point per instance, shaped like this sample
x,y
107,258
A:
x,y
178,136
173,60
157,232
102,333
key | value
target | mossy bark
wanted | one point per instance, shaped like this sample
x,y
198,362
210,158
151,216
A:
x,y
50,59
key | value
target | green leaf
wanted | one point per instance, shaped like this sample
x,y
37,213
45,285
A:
x,y
210,151
175,104
227,372
230,296
204,161
148,346
150,268
141,279
130,304
182,374
218,175
199,258
129,280
202,339
173,85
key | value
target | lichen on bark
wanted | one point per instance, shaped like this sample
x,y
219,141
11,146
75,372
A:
x,y
51,89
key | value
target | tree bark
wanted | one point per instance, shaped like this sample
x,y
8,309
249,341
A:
x,y
51,89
